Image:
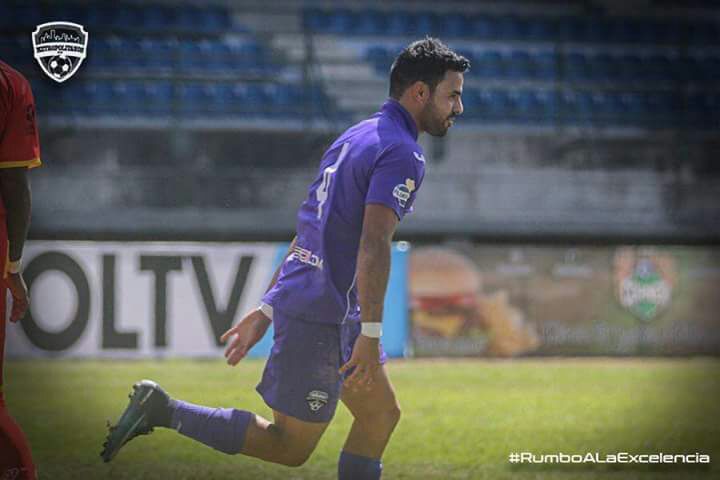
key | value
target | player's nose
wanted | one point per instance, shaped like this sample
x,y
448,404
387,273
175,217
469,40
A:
x,y
458,110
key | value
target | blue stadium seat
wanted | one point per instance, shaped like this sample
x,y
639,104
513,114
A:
x,y
159,54
215,19
17,50
454,25
158,97
67,13
315,20
130,97
189,18
490,65
520,65
494,106
26,17
194,98
630,68
545,65
369,22
287,100
99,17
573,29
655,67
525,106
126,17
157,17
577,67
376,54
485,27
340,22
577,106
6,18
662,109
543,29
189,55
425,24
550,104
100,97
399,23
710,67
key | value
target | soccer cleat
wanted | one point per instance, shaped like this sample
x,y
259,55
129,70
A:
x,y
148,406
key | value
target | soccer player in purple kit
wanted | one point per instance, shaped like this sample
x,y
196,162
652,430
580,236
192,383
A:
x,y
326,299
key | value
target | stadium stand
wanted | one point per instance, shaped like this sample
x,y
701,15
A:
x,y
609,108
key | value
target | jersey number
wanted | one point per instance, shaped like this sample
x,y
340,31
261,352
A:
x,y
322,192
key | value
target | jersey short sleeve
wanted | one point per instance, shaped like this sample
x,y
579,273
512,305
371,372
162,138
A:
x,y
19,142
395,179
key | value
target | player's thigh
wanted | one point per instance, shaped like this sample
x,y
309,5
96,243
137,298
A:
x,y
376,402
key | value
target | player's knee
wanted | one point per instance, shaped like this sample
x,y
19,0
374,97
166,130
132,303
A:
x,y
394,414
382,418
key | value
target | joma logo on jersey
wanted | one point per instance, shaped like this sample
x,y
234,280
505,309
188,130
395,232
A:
x,y
403,191
306,256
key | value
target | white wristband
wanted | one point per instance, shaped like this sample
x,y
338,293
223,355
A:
x,y
267,310
371,329
14,267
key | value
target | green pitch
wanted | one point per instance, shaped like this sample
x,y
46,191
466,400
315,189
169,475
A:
x,y
461,419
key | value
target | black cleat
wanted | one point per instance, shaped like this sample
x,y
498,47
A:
x,y
148,408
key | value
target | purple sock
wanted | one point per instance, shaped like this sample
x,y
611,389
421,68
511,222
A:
x,y
220,428
355,467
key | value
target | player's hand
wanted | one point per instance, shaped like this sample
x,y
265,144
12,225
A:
x,y
247,333
20,299
366,360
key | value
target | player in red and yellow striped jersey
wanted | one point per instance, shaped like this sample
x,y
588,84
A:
x,y
19,151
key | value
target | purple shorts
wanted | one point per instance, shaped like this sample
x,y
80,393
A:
x,y
301,376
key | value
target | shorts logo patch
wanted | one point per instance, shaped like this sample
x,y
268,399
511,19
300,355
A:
x,y
403,191
316,400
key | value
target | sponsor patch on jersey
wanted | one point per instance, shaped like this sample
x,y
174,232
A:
x,y
403,191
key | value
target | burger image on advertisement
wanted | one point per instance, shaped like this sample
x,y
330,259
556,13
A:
x,y
443,292
449,309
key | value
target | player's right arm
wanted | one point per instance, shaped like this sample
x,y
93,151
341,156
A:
x,y
373,270
252,327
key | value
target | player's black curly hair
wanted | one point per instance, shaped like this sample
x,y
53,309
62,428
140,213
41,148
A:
x,y
424,60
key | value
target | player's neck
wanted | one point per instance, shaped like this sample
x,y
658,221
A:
x,y
413,111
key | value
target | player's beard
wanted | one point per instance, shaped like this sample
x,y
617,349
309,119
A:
x,y
436,124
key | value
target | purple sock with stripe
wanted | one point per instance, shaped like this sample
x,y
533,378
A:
x,y
220,428
355,467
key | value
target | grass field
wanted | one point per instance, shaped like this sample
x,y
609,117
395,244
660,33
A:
x,y
461,418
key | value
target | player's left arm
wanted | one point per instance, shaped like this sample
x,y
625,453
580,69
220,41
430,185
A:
x,y
19,151
16,195
373,270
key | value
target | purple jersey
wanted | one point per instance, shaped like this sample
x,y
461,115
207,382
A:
x,y
376,161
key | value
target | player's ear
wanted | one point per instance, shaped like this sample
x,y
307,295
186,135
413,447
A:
x,y
420,92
